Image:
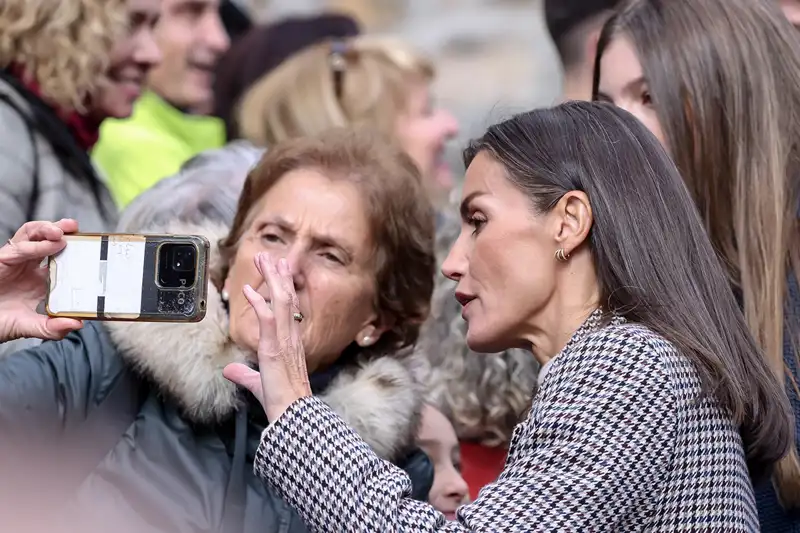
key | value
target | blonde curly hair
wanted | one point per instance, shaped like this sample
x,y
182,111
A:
x,y
484,395
65,45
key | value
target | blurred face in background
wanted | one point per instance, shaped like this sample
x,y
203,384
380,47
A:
x,y
192,38
622,83
791,8
423,132
131,60
437,438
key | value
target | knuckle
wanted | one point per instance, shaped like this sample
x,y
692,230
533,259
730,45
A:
x,y
265,350
281,297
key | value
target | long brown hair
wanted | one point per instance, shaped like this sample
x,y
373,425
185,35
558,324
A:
x,y
724,76
668,280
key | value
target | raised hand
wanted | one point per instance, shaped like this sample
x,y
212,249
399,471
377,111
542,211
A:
x,y
282,378
23,281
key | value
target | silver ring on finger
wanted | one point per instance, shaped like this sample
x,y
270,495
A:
x,y
298,316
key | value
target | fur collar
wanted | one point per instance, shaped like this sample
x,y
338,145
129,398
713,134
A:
x,y
379,398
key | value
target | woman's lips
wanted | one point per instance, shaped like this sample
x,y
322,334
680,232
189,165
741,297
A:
x,y
465,308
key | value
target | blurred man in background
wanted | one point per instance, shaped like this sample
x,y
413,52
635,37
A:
x,y
574,26
170,122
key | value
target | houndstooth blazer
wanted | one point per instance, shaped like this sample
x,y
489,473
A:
x,y
618,438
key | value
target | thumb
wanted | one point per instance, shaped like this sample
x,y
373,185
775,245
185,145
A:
x,y
30,325
58,328
246,377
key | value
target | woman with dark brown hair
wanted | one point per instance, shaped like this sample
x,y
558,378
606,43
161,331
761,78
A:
x,y
656,409
718,82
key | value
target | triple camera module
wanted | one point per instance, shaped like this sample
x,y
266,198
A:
x,y
177,265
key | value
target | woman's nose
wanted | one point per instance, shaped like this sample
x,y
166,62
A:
x,y
147,51
295,257
455,263
457,488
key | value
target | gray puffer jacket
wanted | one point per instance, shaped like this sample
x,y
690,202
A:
x,y
44,174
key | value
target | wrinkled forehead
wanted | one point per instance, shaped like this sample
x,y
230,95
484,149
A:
x,y
309,204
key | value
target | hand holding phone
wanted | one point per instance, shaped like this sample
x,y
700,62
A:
x,y
23,281
144,278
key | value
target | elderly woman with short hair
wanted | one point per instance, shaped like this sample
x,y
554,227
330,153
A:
x,y
132,425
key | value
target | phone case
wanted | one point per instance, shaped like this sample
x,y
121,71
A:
x,y
116,277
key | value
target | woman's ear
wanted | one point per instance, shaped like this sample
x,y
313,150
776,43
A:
x,y
371,332
574,220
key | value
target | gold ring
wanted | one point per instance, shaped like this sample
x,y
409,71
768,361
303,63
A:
x,y
298,316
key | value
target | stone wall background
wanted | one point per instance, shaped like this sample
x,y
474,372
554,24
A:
x,y
494,57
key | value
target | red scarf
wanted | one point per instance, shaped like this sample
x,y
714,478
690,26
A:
x,y
85,129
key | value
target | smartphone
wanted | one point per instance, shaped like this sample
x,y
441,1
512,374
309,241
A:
x,y
140,278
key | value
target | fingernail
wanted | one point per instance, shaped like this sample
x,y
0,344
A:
x,y
283,265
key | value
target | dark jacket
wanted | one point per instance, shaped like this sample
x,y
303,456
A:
x,y
773,518
132,428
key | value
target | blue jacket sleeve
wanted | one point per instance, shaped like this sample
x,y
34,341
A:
x,y
50,389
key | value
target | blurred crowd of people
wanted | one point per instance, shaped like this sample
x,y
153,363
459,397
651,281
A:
x,y
321,143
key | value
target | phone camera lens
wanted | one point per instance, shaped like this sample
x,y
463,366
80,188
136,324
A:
x,y
183,258
176,265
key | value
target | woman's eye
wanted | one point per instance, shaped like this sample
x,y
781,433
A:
x,y
477,223
647,99
271,238
332,257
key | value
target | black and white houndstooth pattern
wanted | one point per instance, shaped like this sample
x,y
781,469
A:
x,y
618,439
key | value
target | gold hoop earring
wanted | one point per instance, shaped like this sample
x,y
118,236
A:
x,y
561,255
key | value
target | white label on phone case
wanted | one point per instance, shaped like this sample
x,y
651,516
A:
x,y
123,290
77,278
81,276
